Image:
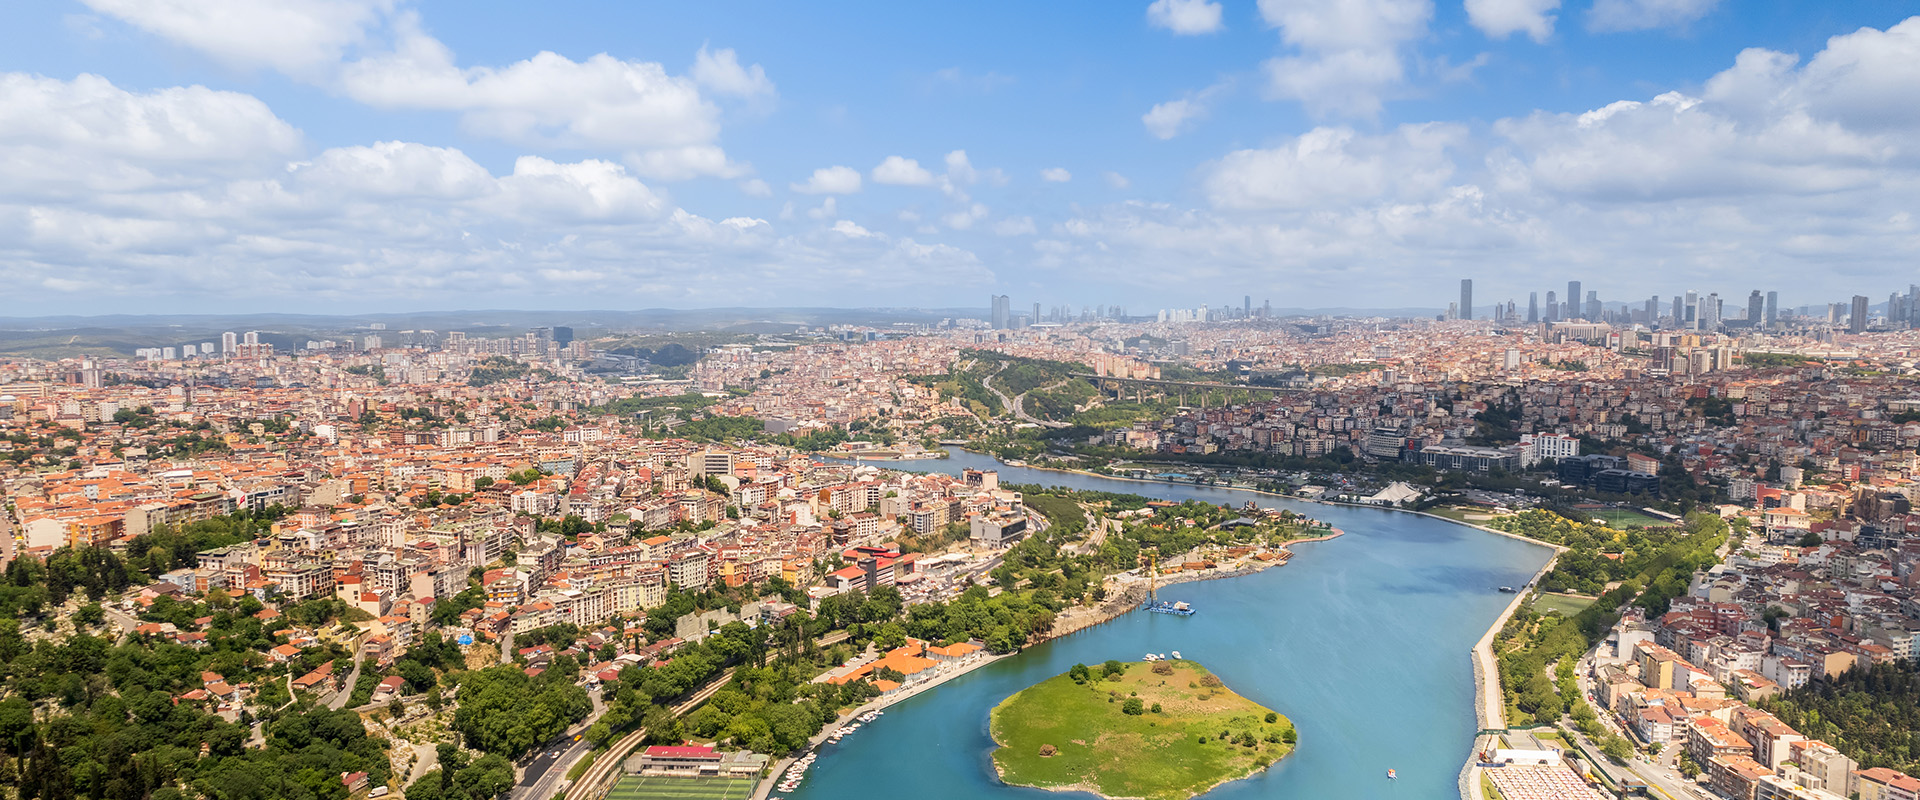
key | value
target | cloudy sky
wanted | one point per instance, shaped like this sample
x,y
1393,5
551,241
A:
x,y
361,155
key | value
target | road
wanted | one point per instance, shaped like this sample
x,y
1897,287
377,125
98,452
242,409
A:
x,y
1020,407
340,698
545,782
122,620
1661,775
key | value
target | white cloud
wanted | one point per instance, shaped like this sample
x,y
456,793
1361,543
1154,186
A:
x,y
1169,119
1609,16
1185,17
1348,52
180,124
1499,19
299,37
589,190
1056,175
1335,167
685,162
1116,180
897,171
754,187
830,180
398,170
190,199
1174,117
827,209
1778,174
959,169
851,230
720,71
662,124
88,135
1015,226
964,218
545,100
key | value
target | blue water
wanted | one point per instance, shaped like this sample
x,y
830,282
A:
x,y
1363,641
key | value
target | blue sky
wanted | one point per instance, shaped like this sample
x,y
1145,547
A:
x,y
351,155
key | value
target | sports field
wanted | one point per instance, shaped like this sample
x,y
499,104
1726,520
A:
x,y
1565,605
1625,518
635,787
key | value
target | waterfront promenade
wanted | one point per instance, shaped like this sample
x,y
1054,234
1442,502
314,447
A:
x,y
766,785
1490,703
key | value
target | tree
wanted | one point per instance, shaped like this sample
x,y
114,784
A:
x,y
1616,748
1133,707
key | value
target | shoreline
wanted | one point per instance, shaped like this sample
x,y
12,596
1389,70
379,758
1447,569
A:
x,y
1131,595
1489,699
1000,772
766,785
1490,702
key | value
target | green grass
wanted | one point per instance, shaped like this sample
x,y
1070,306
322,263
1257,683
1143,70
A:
x,y
634,787
1151,755
1487,788
1566,605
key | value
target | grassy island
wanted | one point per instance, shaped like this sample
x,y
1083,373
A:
x,y
1166,730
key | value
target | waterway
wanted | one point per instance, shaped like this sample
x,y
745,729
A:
x,y
1362,640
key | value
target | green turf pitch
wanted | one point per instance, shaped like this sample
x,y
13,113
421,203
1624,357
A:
x,y
634,787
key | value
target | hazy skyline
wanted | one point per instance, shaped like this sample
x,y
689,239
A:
x,y
377,155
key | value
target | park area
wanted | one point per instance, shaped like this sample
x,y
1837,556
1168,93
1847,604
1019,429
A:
x,y
1165,730
635,787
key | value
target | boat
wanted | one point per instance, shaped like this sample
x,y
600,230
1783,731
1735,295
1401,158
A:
x,y
1507,589
1176,655
1153,602
1392,776
1164,607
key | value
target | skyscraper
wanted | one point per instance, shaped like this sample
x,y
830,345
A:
x,y
1036,315
1466,298
229,342
1857,322
1246,306
1553,307
1693,310
1533,307
1002,310
1756,307
1679,313
1593,307
1573,299
1773,308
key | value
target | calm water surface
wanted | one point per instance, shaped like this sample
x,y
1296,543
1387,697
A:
x,y
1363,641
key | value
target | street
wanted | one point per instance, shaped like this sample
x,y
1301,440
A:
x,y
1661,776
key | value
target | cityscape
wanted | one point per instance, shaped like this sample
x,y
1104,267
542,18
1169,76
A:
x,y
1501,399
